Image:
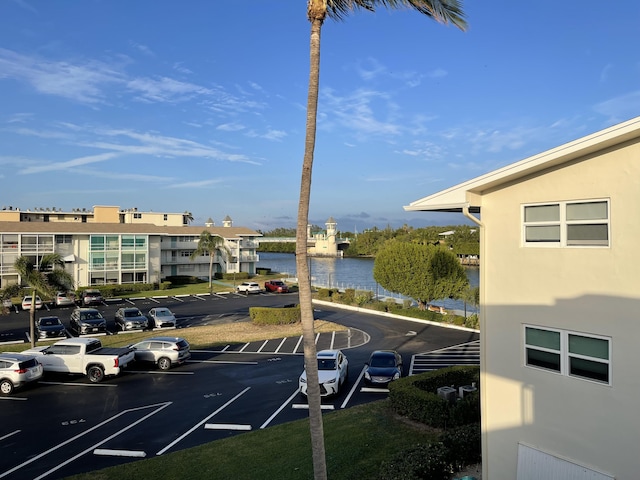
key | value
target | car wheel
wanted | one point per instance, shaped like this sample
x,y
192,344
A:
x,y
95,374
164,363
6,387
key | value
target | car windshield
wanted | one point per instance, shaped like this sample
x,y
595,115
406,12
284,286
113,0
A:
x,y
47,322
90,315
132,313
381,361
326,364
162,313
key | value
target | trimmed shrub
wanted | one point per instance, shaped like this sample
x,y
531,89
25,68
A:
x,y
324,293
183,279
275,316
363,297
421,461
349,296
416,397
463,444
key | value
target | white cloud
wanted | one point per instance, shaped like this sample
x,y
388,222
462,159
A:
x,y
230,127
79,82
69,164
620,108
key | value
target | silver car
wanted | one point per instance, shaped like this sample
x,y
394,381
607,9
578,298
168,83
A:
x,y
17,370
163,351
131,318
162,317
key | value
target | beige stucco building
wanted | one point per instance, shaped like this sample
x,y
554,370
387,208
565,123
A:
x,y
109,245
560,308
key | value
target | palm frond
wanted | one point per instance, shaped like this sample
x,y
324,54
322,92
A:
x,y
442,11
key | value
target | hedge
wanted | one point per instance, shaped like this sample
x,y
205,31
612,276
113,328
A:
x,y
417,398
275,316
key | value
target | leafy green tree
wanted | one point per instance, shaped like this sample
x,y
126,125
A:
x,y
45,279
209,244
422,272
443,11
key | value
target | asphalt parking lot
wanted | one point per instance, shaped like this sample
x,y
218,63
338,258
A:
x,y
66,425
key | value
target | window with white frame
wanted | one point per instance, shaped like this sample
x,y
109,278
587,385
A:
x,y
568,353
567,224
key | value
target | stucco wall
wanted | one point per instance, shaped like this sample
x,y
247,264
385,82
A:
x,y
593,290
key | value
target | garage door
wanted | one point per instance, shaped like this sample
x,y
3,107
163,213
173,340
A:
x,y
534,464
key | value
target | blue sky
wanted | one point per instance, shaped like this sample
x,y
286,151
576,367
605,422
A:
x,y
200,105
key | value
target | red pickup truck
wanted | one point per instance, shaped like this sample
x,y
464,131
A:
x,y
276,286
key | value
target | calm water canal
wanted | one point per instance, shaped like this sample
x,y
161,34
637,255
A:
x,y
349,273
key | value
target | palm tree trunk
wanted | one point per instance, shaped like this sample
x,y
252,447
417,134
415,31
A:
x,y
304,281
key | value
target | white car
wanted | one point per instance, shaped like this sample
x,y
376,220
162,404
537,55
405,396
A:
x,y
26,303
162,317
17,370
248,287
333,369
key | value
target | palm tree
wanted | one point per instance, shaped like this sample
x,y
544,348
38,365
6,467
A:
x,y
45,279
210,244
443,11
187,217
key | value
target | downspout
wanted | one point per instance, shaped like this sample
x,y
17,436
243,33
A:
x,y
483,344
466,213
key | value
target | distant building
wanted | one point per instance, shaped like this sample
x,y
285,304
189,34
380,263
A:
x,y
326,244
110,245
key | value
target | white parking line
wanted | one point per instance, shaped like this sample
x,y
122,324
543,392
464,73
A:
x,y
79,384
226,426
353,389
14,398
280,346
222,361
298,344
287,401
9,434
160,372
305,406
262,346
119,453
374,390
333,338
159,406
188,432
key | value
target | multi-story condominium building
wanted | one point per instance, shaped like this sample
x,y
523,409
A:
x,y
109,245
559,303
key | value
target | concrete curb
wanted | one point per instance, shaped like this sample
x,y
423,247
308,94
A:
x,y
393,315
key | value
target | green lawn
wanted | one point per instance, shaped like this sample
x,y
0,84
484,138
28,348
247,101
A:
x,y
357,440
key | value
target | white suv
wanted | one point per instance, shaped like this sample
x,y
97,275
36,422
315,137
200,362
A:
x,y
248,287
333,369
16,370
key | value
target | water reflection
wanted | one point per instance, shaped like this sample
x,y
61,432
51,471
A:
x,y
354,273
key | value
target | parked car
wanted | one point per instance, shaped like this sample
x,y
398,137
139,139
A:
x,y
163,351
131,318
92,297
248,287
333,369
162,317
276,286
16,370
85,356
50,327
383,367
87,320
26,302
65,299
